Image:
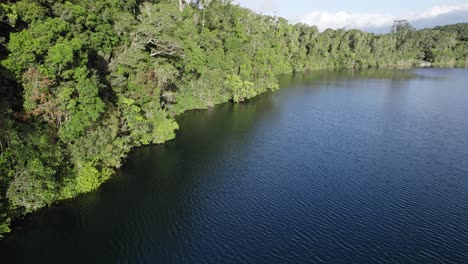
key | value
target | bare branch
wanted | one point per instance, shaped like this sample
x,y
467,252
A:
x,y
163,48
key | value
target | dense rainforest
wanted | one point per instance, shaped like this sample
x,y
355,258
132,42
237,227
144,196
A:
x,y
84,81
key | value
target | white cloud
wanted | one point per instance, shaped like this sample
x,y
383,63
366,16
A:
x,y
374,21
342,19
440,10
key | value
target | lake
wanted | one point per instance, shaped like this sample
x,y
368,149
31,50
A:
x,y
336,167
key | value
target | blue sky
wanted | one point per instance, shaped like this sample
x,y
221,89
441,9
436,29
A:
x,y
363,14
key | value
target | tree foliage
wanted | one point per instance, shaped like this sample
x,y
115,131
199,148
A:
x,y
84,81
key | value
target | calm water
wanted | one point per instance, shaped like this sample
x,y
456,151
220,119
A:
x,y
363,167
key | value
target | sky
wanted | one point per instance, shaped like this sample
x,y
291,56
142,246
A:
x,y
369,15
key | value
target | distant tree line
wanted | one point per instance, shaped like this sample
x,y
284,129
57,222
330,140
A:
x,y
84,81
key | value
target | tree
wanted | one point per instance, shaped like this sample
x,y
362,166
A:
x,y
241,90
402,27
82,82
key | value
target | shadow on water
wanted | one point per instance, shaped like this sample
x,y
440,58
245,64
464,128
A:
x,y
332,77
120,207
338,166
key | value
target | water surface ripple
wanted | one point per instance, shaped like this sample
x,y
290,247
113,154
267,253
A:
x,y
336,167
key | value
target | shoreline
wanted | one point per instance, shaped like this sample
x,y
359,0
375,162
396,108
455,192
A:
x,y
16,223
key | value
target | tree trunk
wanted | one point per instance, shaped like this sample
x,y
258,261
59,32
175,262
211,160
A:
x,y
181,5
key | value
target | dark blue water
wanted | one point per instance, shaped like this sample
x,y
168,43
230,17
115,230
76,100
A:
x,y
336,167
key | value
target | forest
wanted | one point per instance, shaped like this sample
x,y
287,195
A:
x,y
83,81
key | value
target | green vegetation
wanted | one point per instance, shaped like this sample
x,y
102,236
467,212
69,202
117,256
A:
x,y
84,81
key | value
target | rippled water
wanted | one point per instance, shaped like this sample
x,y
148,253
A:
x,y
337,167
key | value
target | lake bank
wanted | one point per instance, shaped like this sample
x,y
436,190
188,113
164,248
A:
x,y
369,164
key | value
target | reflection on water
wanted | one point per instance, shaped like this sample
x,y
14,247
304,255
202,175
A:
x,y
337,167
